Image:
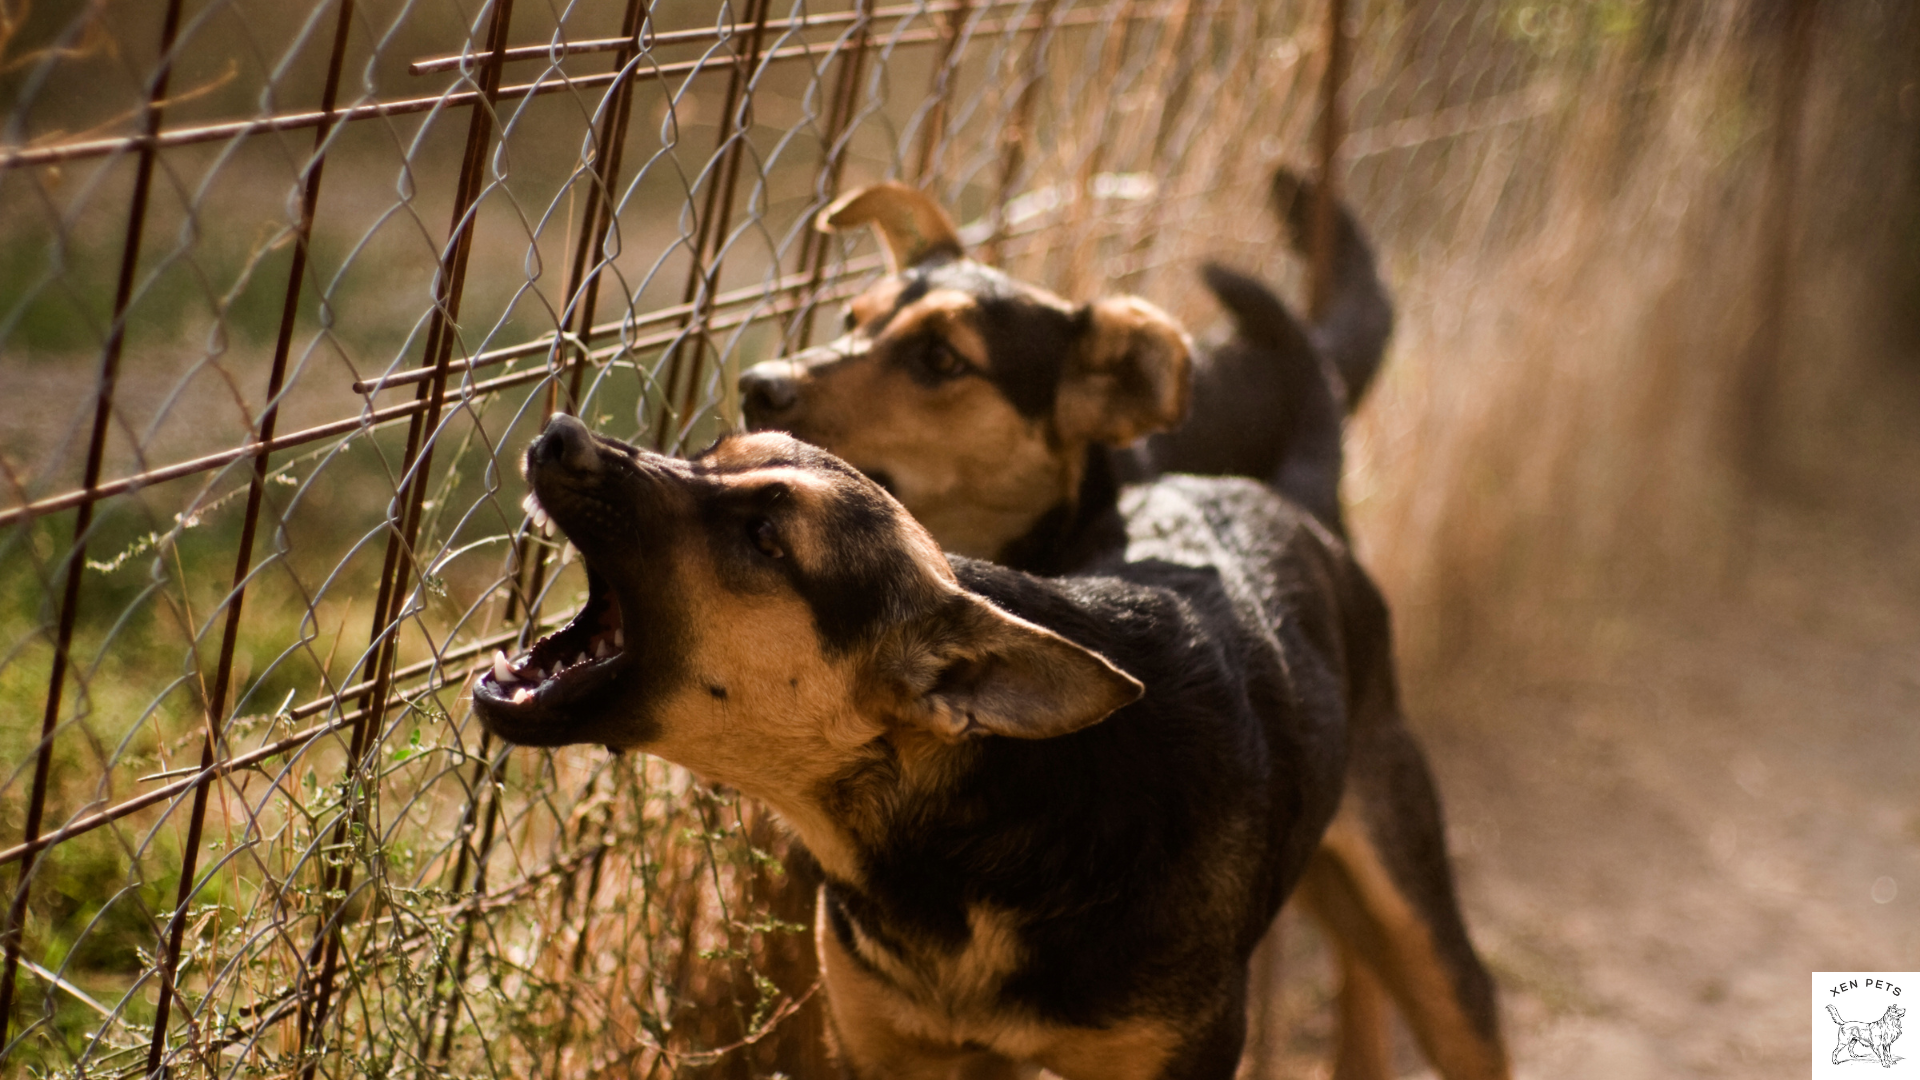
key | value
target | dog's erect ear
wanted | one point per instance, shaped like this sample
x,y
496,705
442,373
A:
x,y
972,669
1128,376
911,225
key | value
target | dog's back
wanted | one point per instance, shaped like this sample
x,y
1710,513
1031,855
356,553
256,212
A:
x,y
1142,858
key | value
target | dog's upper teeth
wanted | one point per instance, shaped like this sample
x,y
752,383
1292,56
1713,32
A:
x,y
602,648
582,658
503,672
619,638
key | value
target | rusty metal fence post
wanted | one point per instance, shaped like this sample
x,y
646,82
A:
x,y
75,562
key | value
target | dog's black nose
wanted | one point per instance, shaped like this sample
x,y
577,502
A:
x,y
768,389
567,442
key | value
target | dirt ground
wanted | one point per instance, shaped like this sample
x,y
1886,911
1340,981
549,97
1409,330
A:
x,y
1667,812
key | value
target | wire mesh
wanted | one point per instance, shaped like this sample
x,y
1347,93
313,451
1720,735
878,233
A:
x,y
286,290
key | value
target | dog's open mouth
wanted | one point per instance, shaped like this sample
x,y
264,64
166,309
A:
x,y
561,666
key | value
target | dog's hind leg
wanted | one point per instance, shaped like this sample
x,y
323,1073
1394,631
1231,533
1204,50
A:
x,y
1381,885
1365,1052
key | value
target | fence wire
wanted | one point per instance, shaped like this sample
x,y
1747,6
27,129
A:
x,y
284,291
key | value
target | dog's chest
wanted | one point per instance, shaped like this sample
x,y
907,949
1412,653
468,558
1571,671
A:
x,y
949,993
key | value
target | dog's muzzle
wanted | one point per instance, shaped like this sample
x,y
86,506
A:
x,y
768,391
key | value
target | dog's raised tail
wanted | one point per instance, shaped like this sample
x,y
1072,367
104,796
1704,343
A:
x,y
1259,317
1278,402
1352,332
1835,1013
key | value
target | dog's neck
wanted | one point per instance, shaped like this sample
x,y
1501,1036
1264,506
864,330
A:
x,y
1076,530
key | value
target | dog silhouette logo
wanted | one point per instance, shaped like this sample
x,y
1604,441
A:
x,y
1857,1018
1861,1040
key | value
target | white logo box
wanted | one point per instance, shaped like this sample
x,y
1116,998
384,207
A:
x,y
1878,1038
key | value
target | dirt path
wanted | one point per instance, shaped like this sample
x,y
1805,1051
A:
x,y
1665,818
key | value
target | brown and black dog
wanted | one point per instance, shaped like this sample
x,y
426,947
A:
x,y
1001,415
1054,815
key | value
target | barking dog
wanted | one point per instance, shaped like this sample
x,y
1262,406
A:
x,y
1858,1039
995,410
1054,815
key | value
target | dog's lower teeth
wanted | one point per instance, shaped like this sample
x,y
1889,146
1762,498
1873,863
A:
x,y
522,695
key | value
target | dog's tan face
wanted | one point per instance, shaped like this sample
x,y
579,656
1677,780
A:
x,y
971,396
766,616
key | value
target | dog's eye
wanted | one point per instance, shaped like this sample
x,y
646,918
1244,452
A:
x,y
945,361
761,532
849,321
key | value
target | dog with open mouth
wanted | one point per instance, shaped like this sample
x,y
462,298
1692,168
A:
x,y
1054,816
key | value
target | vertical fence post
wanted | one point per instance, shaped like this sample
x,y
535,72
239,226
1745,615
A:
x,y
583,286
703,272
243,560
14,931
814,244
583,280
1017,134
1331,130
940,88
383,640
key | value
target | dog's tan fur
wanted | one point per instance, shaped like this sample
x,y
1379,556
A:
x,y
903,1035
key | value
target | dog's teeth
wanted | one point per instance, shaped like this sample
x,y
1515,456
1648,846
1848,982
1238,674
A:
x,y
619,638
522,695
581,659
503,671
530,505
602,649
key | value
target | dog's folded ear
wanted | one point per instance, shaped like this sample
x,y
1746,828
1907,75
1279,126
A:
x,y
1128,375
972,669
912,226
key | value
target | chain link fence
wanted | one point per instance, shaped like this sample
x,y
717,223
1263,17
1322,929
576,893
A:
x,y
285,290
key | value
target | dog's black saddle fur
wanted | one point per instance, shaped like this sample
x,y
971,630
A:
x,y
1143,857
